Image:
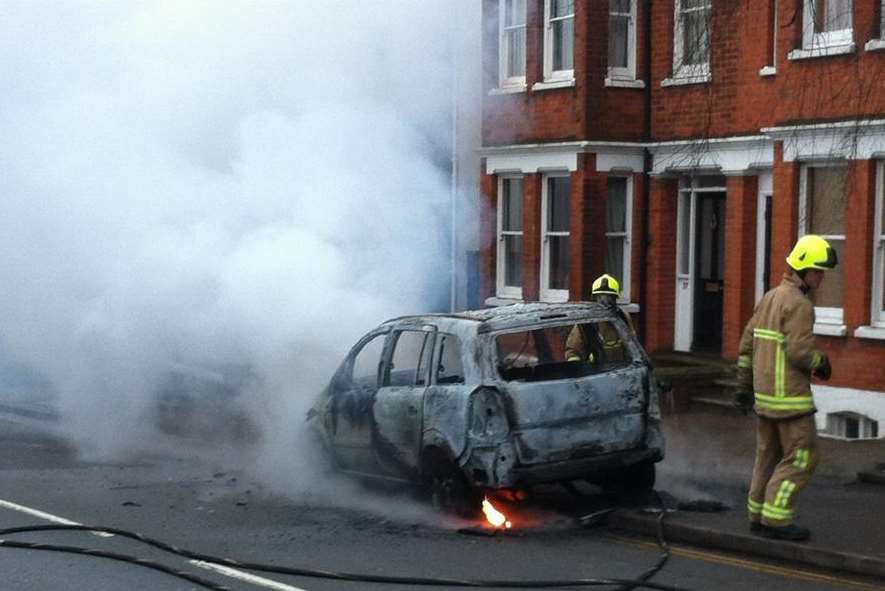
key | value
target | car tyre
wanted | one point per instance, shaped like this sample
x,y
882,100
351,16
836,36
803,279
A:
x,y
451,493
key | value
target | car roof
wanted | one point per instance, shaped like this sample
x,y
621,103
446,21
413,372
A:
x,y
510,317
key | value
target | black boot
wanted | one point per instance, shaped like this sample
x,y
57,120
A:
x,y
793,533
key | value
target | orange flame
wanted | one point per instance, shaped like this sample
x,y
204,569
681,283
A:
x,y
493,516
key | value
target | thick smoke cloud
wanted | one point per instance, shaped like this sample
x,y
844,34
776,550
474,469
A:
x,y
215,185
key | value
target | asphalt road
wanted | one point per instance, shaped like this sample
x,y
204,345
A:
x,y
193,504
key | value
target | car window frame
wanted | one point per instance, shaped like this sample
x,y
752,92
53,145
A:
x,y
346,374
434,363
428,330
630,343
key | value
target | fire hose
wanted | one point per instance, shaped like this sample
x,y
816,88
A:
x,y
620,584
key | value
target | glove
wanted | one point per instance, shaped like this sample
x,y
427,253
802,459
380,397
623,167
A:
x,y
824,370
744,398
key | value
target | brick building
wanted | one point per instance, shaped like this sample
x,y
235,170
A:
x,y
683,146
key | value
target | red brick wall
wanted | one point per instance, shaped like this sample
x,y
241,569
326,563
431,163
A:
x,y
857,363
738,101
784,213
740,259
660,307
589,110
531,238
488,229
859,229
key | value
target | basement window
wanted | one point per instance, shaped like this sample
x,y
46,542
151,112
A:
x,y
851,426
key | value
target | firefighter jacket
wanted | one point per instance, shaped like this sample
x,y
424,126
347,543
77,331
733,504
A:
x,y
580,345
777,347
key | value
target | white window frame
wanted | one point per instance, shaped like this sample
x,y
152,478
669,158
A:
x,y
628,72
551,75
812,40
694,72
627,235
501,289
547,294
504,80
878,44
826,316
877,315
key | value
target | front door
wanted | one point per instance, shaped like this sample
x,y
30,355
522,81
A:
x,y
709,262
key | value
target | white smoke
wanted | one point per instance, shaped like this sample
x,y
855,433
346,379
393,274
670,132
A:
x,y
216,184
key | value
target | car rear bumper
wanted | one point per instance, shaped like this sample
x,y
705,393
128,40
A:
x,y
583,467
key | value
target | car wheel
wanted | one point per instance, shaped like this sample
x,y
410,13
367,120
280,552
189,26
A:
x,y
451,493
638,478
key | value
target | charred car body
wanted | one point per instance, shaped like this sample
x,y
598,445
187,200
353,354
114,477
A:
x,y
488,400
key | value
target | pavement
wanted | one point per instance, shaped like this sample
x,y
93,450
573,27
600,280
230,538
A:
x,y
710,451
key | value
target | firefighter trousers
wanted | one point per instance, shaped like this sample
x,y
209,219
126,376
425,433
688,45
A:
x,y
786,456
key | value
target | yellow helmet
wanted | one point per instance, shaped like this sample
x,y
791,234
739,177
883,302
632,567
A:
x,y
606,284
812,252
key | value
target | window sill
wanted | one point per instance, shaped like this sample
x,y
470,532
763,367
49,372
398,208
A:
x,y
552,84
515,89
875,45
629,308
768,71
870,332
624,83
497,302
801,54
686,80
830,330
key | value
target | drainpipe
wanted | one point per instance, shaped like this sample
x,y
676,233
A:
x,y
453,286
646,186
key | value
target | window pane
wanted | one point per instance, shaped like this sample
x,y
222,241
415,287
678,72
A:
x,y
558,203
621,6
832,15
829,294
562,8
882,275
516,53
616,208
827,190
559,262
687,4
515,13
563,44
365,365
614,257
838,15
450,369
618,27
696,39
513,261
711,181
406,358
511,217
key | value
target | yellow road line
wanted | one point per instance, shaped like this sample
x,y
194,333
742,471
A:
x,y
753,565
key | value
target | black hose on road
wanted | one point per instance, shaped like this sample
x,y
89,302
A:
x,y
620,584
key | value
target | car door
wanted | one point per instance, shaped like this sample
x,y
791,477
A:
x,y
398,406
350,421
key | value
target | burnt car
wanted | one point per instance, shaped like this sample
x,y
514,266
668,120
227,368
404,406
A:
x,y
489,399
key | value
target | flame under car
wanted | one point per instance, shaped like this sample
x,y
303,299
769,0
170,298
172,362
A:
x,y
495,399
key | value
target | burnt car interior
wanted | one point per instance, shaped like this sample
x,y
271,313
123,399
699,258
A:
x,y
540,354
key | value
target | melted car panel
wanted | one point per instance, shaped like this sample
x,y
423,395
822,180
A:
x,y
504,397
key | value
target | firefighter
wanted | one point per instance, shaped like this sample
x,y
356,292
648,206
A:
x,y
776,360
605,290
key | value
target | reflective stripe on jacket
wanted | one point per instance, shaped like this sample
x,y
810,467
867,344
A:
x,y
778,346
